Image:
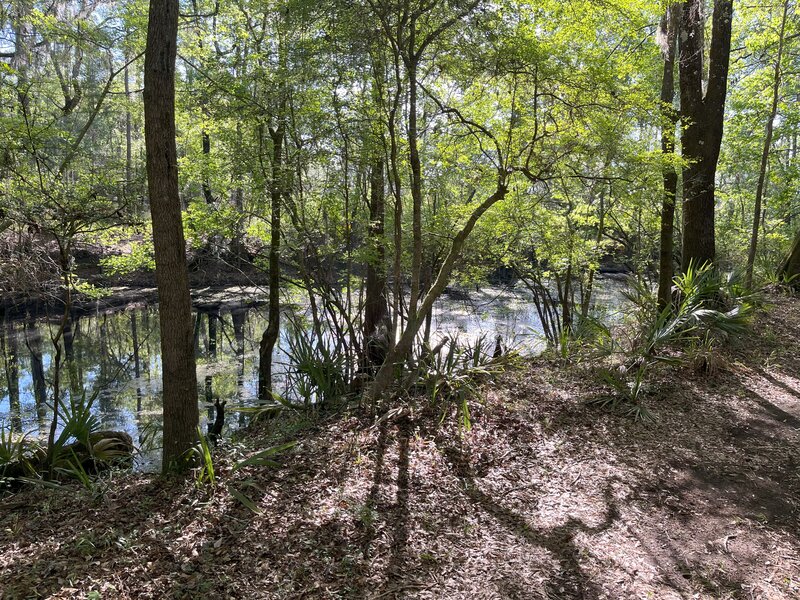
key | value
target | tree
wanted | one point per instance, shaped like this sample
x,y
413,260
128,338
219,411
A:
x,y
702,117
375,306
668,35
181,414
762,172
270,335
789,268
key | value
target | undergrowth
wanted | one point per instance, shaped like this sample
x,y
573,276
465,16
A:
x,y
708,308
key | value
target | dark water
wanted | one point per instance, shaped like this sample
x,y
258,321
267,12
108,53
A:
x,y
114,357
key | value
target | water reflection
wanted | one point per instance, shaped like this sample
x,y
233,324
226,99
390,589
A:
x,y
117,357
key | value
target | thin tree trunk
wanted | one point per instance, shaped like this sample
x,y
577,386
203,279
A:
x,y
762,173
399,352
181,412
270,336
128,132
416,174
21,59
207,195
375,310
396,186
669,174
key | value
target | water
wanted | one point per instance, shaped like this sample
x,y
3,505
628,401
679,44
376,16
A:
x,y
115,356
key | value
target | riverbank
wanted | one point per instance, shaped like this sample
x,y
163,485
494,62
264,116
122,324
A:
x,y
544,498
214,283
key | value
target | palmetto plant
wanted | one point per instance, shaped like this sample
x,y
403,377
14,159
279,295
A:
x,y
75,452
451,372
708,306
16,453
318,372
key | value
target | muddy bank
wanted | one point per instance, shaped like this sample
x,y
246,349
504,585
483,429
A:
x,y
215,283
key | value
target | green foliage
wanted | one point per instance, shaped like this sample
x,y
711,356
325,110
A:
x,y
17,453
265,458
451,374
78,422
558,99
140,257
204,471
317,370
710,307
244,499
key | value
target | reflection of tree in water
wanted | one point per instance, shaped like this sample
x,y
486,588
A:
x,y
117,353
239,319
10,349
212,318
137,362
33,340
73,354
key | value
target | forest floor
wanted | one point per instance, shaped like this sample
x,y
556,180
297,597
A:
x,y
545,498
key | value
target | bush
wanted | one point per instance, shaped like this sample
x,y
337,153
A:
x,y
708,307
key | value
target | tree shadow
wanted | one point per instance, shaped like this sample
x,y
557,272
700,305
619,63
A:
x,y
377,482
559,541
400,513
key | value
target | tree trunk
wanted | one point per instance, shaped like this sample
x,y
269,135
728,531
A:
x,y
790,267
702,117
416,174
669,120
375,310
270,336
21,58
181,412
207,195
762,173
400,350
128,133
396,187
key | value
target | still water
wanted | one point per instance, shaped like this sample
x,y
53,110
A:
x,y
115,358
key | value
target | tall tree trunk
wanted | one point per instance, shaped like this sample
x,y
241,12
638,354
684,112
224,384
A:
x,y
375,309
270,336
396,187
207,195
702,117
669,120
181,412
762,173
128,132
416,172
21,59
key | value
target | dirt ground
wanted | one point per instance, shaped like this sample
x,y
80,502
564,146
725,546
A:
x,y
545,498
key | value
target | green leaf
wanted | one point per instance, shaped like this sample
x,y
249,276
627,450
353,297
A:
x,y
262,458
245,500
